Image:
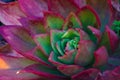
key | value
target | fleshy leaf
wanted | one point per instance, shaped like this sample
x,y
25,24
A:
x,y
103,10
21,41
109,39
43,40
34,8
88,17
53,58
84,55
70,70
63,7
34,26
96,32
83,35
68,57
114,6
8,62
89,74
80,3
9,69
43,59
53,21
59,48
13,74
64,43
43,71
71,22
55,36
10,13
109,75
70,34
101,57
19,38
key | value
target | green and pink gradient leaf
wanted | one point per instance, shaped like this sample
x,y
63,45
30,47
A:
x,y
103,10
96,32
109,39
43,41
84,55
63,7
89,74
83,35
34,26
68,57
20,40
53,58
40,56
71,22
70,34
44,71
70,70
53,21
55,36
34,8
9,69
88,17
101,57
10,13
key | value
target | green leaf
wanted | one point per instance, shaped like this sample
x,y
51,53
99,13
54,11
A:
x,y
54,21
88,17
55,36
59,48
41,55
43,40
70,34
71,22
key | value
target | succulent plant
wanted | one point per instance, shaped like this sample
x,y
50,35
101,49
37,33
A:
x,y
60,40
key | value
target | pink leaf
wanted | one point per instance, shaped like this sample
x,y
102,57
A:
x,y
34,8
10,13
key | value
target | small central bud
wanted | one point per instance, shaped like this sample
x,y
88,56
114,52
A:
x,y
74,43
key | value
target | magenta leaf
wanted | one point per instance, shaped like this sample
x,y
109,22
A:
x,y
109,39
89,74
9,69
44,71
80,3
19,38
84,55
34,26
101,57
63,7
70,70
21,41
34,8
10,13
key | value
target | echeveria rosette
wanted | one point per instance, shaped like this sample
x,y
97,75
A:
x,y
72,48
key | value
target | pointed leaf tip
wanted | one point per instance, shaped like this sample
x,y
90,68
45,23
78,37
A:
x,y
101,57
